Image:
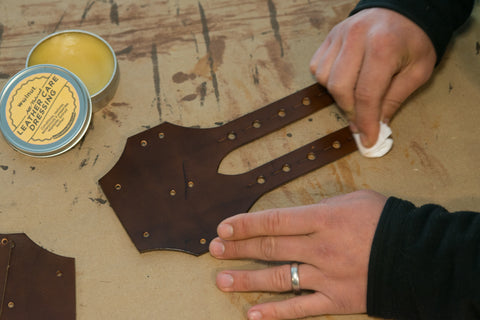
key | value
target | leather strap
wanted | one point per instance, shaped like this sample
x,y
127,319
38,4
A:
x,y
166,190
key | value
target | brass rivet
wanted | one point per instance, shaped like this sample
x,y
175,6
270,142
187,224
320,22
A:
x,y
261,180
232,136
191,184
203,241
311,156
286,167
118,186
256,124
306,101
143,143
4,241
161,135
173,192
146,234
59,274
336,144
11,304
282,113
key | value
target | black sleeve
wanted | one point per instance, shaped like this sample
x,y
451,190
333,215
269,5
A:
x,y
438,18
424,263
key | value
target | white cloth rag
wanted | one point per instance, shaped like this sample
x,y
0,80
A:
x,y
381,147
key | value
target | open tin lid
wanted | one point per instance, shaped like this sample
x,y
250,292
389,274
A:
x,y
44,110
85,54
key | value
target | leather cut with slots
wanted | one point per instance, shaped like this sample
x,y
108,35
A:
x,y
36,284
166,189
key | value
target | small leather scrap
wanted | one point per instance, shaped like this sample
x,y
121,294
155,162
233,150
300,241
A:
x,y
166,189
35,283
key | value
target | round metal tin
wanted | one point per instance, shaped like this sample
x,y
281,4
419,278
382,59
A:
x,y
101,96
44,110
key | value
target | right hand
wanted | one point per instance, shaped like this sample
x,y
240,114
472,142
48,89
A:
x,y
370,63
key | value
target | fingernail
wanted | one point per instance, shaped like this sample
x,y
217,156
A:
x,y
225,230
365,142
224,281
254,315
217,248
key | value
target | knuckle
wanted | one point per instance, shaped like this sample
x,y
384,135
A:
x,y
267,247
232,249
281,279
298,310
364,95
321,76
343,96
385,51
313,67
356,28
273,221
336,88
382,42
421,74
391,103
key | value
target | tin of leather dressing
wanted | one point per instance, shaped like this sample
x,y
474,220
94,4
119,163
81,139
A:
x,y
44,110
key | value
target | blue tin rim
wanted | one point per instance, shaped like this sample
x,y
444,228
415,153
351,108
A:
x,y
74,134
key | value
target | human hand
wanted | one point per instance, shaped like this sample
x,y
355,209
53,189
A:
x,y
331,240
370,63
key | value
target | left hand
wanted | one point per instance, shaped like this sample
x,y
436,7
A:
x,y
331,240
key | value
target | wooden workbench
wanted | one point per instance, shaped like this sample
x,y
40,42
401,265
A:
x,y
204,63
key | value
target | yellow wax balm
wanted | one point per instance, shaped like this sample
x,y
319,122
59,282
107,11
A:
x,y
85,54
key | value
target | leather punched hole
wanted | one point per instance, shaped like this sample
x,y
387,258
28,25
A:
x,y
306,101
261,180
336,144
146,234
4,241
203,241
161,135
311,156
173,192
143,143
286,167
256,124
11,305
282,113
232,136
118,186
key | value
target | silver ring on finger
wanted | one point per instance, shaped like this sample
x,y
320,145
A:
x,y
295,278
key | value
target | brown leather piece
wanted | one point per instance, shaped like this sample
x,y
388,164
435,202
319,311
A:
x,y
35,283
166,190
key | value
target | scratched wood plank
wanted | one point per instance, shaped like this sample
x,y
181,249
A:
x,y
203,63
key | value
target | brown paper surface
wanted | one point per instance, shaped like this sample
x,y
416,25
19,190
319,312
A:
x,y
204,63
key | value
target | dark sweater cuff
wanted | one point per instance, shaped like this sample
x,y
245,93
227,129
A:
x,y
424,263
385,257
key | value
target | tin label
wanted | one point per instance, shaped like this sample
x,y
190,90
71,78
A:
x,y
42,108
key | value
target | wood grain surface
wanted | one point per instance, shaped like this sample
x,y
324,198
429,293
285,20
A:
x,y
202,64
